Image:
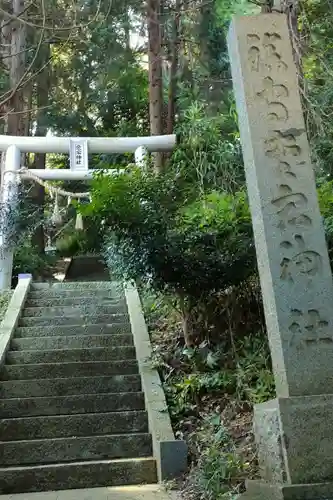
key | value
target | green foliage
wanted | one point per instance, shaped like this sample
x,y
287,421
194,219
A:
x,y
189,249
201,384
248,378
184,392
158,231
5,297
254,381
316,30
220,468
71,244
215,211
19,219
240,368
79,242
100,86
325,197
209,154
28,260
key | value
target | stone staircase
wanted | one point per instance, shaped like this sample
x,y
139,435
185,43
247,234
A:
x,y
71,402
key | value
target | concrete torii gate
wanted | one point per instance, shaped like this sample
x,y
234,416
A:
x,y
13,147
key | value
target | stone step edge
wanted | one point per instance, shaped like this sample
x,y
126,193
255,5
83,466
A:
x,y
111,315
74,349
32,293
45,321
62,363
42,327
72,337
66,303
88,394
73,292
75,463
74,311
73,438
12,373
11,356
40,294
76,285
69,338
21,333
77,306
77,474
171,454
82,448
68,416
66,379
75,399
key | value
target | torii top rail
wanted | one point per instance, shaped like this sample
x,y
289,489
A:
x,y
96,144
14,146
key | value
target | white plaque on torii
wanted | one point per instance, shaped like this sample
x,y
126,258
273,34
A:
x,y
78,155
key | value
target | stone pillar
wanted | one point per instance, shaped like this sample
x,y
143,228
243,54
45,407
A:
x,y
294,432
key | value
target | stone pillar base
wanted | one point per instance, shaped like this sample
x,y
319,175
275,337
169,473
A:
x,y
260,490
295,449
295,440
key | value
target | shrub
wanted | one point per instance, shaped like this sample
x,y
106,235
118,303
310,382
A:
x,y
79,242
159,232
220,470
70,244
27,259
5,297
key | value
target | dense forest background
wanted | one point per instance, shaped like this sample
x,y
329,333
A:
x,y
181,226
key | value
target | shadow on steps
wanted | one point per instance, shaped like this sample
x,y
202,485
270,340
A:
x,y
88,268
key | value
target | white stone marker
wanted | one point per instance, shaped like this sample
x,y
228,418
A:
x,y
292,256
294,433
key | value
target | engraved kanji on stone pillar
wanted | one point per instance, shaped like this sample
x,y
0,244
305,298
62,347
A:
x,y
291,250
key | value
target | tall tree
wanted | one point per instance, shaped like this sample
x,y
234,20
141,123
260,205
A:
x,y
173,70
42,100
155,74
16,105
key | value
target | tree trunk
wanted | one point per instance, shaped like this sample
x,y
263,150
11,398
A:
x,y
172,91
5,48
185,69
127,31
43,86
291,10
205,18
155,74
187,323
5,51
13,37
16,105
28,106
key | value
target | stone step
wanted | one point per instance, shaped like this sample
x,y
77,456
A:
x,y
70,342
88,424
56,293
105,319
67,355
76,311
70,330
69,449
69,405
74,301
77,285
77,475
76,369
69,386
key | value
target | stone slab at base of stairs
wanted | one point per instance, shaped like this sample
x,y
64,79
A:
x,y
146,492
